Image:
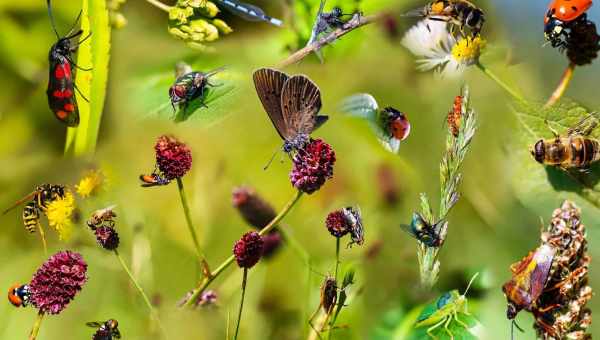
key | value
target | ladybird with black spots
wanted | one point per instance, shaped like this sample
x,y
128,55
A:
x,y
560,16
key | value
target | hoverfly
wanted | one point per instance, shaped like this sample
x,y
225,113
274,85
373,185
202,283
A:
x,y
153,180
459,13
390,125
430,235
292,103
107,330
60,92
191,85
445,310
102,217
575,151
19,295
40,198
248,12
326,22
354,218
529,278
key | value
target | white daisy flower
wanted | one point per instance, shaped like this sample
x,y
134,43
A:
x,y
438,50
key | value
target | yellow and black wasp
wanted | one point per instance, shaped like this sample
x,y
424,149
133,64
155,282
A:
x,y
576,150
40,198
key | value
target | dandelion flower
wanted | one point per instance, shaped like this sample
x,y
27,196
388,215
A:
x,y
438,50
59,215
90,183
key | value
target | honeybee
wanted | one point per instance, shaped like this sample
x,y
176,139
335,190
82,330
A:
x,y
101,217
458,13
575,151
40,198
107,330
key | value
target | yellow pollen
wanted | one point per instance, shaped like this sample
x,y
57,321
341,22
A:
x,y
468,50
59,215
90,183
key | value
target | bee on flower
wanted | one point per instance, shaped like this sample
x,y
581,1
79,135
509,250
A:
x,y
439,50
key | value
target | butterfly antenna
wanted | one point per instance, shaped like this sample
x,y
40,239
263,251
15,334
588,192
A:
x,y
270,160
52,18
470,282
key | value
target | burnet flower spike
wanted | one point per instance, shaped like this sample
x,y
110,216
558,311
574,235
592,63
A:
x,y
312,166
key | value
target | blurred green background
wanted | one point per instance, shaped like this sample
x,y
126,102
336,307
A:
x,y
492,226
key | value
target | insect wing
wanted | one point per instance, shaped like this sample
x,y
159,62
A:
x,y
248,12
61,95
529,277
416,13
269,86
316,27
19,202
95,324
300,103
585,126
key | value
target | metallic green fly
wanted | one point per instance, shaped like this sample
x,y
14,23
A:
x,y
444,311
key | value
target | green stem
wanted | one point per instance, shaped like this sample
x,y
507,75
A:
x,y
208,279
337,257
502,84
190,225
159,5
237,327
36,326
153,313
43,237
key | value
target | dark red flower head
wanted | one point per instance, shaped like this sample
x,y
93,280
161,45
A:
x,y
55,284
337,223
107,237
313,165
583,43
253,208
248,249
173,158
271,243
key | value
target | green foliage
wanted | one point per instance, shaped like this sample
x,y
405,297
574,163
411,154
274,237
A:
x,y
94,53
194,22
533,180
151,95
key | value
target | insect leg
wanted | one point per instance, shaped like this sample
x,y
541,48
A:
x,y
81,94
310,321
430,329
554,132
75,23
459,321
446,324
77,66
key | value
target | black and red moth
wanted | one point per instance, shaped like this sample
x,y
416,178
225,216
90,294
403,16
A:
x,y
61,86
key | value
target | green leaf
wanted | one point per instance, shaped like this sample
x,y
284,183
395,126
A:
x,y
458,331
533,180
94,53
152,95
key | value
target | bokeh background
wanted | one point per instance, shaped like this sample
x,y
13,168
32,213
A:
x,y
492,226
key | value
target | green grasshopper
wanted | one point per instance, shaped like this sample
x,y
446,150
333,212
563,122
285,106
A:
x,y
444,311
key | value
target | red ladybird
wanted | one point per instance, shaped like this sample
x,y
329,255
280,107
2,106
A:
x,y
560,15
19,295
398,124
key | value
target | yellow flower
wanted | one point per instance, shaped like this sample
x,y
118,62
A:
x,y
90,183
467,50
59,215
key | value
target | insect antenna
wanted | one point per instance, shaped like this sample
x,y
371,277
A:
x,y
75,23
271,160
19,202
470,282
49,5
514,324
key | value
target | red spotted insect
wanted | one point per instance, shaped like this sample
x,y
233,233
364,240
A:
x,y
19,295
559,17
61,86
455,115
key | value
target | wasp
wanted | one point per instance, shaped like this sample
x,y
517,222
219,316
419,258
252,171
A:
x,y
455,116
61,86
40,198
107,330
357,231
190,86
573,151
459,13
102,217
431,235
19,295
153,180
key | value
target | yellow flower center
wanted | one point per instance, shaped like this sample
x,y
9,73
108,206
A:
x,y
467,50
89,184
59,215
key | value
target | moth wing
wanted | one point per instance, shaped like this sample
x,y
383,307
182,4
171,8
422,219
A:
x,y
543,261
300,103
269,86
61,93
529,276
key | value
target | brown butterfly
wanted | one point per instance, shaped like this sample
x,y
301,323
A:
x,y
292,103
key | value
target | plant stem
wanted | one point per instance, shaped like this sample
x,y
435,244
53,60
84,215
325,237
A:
x,y
562,85
153,313
337,257
502,84
159,5
36,326
208,279
188,218
237,327
43,237
357,21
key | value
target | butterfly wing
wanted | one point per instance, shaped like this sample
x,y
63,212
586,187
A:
x,y
300,103
269,86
